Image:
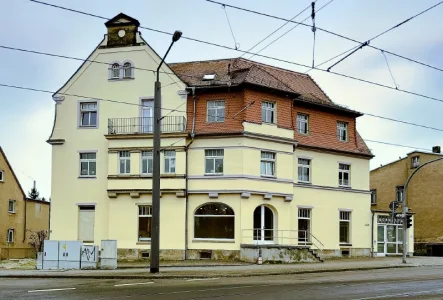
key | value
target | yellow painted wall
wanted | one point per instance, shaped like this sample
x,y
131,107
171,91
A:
x,y
268,129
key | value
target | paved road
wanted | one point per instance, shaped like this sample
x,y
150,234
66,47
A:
x,y
412,283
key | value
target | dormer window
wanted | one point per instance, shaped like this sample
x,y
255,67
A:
x,y
115,71
208,77
127,70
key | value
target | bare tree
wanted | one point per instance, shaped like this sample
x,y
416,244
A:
x,y
37,238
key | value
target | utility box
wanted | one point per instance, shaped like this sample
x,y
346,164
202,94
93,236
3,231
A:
x,y
39,264
108,256
69,254
89,257
50,255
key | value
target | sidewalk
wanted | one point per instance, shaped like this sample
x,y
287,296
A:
x,y
335,265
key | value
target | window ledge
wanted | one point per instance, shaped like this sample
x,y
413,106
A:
x,y
11,212
268,176
87,177
305,134
143,243
213,174
305,182
345,186
216,122
345,245
121,79
87,127
269,123
213,241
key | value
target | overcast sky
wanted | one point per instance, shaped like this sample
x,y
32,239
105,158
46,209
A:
x,y
27,117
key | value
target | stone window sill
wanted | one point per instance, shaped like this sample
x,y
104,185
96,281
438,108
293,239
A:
x,y
144,243
345,245
87,177
212,241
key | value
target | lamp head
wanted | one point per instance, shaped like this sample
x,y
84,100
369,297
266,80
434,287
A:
x,y
176,36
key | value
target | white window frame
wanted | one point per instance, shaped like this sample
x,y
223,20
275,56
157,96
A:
x,y
127,160
88,160
2,176
130,68
374,197
304,213
216,106
148,214
342,127
345,216
81,111
415,161
10,236
170,156
146,156
342,172
268,161
399,191
213,158
13,206
301,121
113,68
268,106
304,166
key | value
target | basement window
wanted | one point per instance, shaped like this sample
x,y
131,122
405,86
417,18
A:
x,y
208,77
205,254
145,254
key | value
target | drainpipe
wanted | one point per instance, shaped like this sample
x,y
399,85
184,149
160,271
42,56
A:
x,y
26,209
186,175
372,234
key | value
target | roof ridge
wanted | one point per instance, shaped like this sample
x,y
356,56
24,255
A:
x,y
200,61
274,67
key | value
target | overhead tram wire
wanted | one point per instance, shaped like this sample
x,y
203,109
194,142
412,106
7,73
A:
x,y
237,45
268,57
389,68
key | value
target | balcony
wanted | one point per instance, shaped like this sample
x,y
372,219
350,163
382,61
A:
x,y
145,125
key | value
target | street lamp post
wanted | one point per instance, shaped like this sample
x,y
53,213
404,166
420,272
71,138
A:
x,y
405,207
155,236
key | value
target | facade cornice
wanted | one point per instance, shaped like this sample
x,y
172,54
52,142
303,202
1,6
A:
x,y
331,188
335,151
235,177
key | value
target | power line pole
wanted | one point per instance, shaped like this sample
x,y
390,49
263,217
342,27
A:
x,y
155,236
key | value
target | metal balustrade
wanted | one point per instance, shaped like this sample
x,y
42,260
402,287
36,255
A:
x,y
145,125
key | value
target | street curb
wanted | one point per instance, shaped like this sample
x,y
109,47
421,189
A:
x,y
212,275
183,266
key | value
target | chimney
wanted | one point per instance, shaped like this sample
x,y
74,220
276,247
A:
x,y
436,149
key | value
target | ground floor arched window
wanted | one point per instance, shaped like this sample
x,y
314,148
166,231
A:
x,y
214,221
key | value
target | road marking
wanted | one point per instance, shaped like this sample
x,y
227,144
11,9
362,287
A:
x,y
401,295
202,279
51,290
138,283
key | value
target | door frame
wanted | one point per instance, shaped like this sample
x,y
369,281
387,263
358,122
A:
x,y
142,109
262,235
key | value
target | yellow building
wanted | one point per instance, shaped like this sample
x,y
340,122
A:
x,y
252,157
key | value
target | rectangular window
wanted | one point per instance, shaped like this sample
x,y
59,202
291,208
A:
x,y
147,162
124,162
342,131
214,161
170,161
304,170
415,161
345,226
399,193
344,175
144,222
86,219
373,197
302,123
88,114
88,164
11,206
304,225
2,174
216,111
267,164
268,112
10,236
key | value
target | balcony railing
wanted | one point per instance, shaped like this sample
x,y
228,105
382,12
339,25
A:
x,y
145,125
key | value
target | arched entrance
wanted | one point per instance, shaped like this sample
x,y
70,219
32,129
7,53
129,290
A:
x,y
264,225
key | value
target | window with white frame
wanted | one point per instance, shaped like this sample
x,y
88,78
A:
x,y
88,164
214,161
115,71
2,175
342,131
127,70
399,193
268,112
10,236
415,161
170,161
216,111
373,197
345,227
267,163
124,160
344,175
147,162
302,123
144,222
304,225
88,114
304,170
11,206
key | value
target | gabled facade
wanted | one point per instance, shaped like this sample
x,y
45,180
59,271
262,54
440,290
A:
x,y
252,155
18,215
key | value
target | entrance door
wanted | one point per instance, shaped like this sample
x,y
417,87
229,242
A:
x,y
389,239
263,225
147,121
381,240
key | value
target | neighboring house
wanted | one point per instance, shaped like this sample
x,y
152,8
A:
x,y
254,155
424,199
19,215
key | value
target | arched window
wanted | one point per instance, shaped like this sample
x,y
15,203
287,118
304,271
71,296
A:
x,y
214,221
127,70
115,71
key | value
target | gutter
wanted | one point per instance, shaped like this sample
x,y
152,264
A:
x,y
186,175
24,228
372,233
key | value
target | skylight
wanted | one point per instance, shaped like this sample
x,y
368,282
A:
x,y
209,77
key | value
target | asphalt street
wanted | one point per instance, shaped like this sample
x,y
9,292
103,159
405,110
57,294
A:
x,y
411,283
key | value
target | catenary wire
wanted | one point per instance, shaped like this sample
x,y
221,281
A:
x,y
389,68
230,28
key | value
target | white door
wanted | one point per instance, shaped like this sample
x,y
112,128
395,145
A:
x,y
86,224
147,120
264,231
381,240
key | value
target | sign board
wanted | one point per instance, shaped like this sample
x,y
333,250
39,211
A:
x,y
388,220
182,93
